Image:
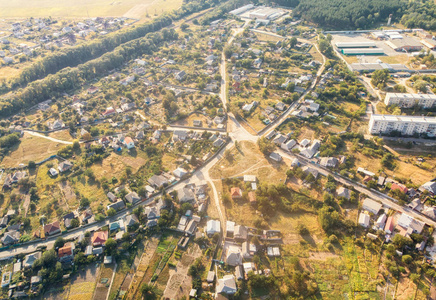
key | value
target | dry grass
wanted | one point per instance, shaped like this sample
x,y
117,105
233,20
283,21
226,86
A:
x,y
83,290
31,148
189,121
267,38
249,160
63,135
397,59
115,164
84,8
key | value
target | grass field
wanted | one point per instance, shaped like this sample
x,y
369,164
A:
x,y
31,148
85,8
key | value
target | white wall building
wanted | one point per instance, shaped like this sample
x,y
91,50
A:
x,y
406,125
409,100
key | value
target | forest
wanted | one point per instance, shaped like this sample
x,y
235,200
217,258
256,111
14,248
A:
x,y
343,14
420,15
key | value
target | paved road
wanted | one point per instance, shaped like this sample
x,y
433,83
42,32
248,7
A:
x,y
385,199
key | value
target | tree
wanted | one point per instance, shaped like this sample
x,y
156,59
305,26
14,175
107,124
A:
x,y
111,212
148,291
293,42
407,259
184,26
111,246
75,223
31,165
380,77
60,242
265,146
76,145
84,202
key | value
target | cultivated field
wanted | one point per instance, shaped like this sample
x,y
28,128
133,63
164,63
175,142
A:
x,y
85,8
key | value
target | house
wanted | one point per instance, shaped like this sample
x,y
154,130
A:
x,y
6,279
128,143
236,193
87,216
226,285
109,111
112,197
197,123
343,192
273,251
280,139
230,228
371,206
131,220
329,162
212,227
10,238
68,219
210,277
179,135
128,106
400,187
117,205
276,157
52,228
364,220
295,163
240,233
185,194
381,221
248,250
30,259
180,172
35,280
132,197
280,106
389,228
117,225
289,145
99,238
234,256
309,170
429,186
139,135
66,253
311,151
404,221
180,75
53,172
65,166
158,181
92,90
430,212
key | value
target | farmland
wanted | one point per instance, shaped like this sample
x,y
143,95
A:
x,y
84,8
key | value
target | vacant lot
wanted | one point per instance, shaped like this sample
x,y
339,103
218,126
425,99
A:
x,y
85,8
31,148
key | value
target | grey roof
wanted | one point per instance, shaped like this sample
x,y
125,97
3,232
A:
x,y
30,259
186,194
132,197
117,205
131,220
111,196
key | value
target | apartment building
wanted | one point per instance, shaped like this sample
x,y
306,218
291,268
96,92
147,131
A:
x,y
406,125
409,100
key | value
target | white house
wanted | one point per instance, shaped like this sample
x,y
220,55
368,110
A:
x,y
371,206
364,220
212,227
288,145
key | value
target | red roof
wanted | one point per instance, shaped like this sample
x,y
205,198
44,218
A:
x,y
128,140
66,250
52,228
399,186
236,192
99,238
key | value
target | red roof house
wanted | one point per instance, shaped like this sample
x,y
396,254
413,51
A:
x,y
99,238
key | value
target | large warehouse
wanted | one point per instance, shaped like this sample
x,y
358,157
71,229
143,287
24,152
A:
x,y
429,43
409,100
371,67
406,125
355,45
406,44
363,51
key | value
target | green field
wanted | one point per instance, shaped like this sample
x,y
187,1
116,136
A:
x,y
85,8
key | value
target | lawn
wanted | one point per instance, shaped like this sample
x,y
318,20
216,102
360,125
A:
x,y
85,8
31,148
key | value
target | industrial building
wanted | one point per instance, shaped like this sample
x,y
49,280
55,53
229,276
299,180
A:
x,y
410,100
371,67
266,13
429,43
242,9
406,125
406,44
363,51
355,45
